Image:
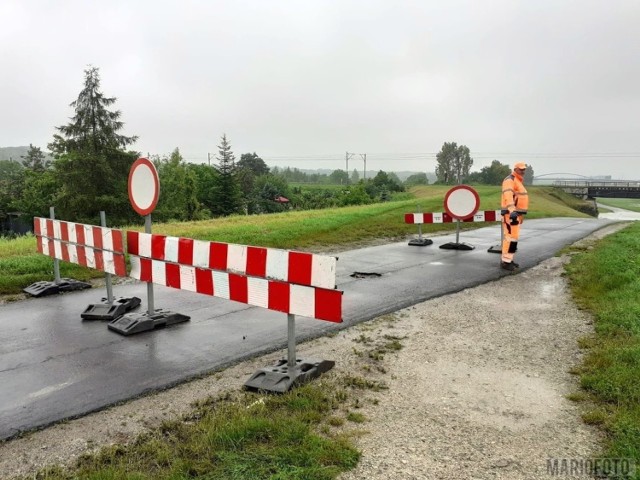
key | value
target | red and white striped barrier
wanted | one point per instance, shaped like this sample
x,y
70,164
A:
x,y
443,217
291,282
100,248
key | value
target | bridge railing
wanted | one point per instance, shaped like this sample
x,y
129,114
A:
x,y
595,183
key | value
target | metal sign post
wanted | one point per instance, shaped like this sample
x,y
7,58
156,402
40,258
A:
x,y
420,242
107,275
144,191
290,372
56,262
460,202
150,298
111,308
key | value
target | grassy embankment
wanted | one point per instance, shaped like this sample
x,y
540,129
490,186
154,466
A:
x,y
21,265
297,435
605,281
632,204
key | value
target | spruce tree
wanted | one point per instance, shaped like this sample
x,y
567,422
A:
x,y
91,163
227,195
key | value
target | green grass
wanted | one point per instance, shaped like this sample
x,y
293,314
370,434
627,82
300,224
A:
x,y
248,437
21,265
605,280
632,204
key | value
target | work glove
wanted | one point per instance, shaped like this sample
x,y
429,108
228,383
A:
x,y
513,216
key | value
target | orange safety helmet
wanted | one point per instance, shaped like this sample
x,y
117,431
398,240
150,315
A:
x,y
520,165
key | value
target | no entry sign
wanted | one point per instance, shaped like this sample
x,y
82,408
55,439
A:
x,y
144,186
461,202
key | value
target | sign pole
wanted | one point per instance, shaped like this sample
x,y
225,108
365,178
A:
x,y
144,191
291,337
150,302
460,202
56,262
107,276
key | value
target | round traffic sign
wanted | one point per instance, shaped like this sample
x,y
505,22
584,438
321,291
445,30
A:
x,y
144,186
461,202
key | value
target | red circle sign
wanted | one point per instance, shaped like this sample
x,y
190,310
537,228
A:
x,y
144,186
461,202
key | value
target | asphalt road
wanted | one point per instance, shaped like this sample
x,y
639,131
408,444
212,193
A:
x,y
54,365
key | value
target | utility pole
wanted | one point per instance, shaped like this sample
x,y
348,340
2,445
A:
x,y
364,157
209,158
347,157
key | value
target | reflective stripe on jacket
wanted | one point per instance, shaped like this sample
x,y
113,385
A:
x,y
514,195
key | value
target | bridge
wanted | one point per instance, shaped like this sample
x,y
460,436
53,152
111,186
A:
x,y
600,188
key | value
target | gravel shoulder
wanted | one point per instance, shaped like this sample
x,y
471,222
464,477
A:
x,y
477,391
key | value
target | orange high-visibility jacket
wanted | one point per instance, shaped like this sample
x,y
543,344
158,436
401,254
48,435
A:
x,y
514,195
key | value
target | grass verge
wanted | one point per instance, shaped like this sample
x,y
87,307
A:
x,y
632,204
605,280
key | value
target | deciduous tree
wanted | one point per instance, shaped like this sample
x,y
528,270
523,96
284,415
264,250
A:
x,y
453,163
178,193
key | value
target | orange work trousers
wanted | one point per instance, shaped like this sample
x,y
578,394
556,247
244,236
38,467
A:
x,y
510,235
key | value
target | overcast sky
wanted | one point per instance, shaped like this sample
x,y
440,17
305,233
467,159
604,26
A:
x,y
301,82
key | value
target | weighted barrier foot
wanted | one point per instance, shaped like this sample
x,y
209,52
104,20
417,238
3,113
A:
x,y
41,289
495,249
420,242
110,311
280,378
131,323
457,246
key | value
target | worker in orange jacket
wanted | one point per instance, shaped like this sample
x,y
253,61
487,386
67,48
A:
x,y
515,202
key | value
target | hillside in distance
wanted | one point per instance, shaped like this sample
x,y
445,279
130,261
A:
x,y
13,153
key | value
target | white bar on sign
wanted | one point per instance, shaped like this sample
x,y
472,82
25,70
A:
x,y
323,271
91,257
258,292
171,249
201,253
237,258
136,269
159,272
44,244
144,245
418,218
109,264
220,284
302,300
277,264
188,278
57,249
73,252
438,217
478,217
107,238
73,236
57,231
43,226
88,235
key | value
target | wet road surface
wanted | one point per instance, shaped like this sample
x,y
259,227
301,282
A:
x,y
54,365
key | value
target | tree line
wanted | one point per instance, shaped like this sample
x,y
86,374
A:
x,y
91,162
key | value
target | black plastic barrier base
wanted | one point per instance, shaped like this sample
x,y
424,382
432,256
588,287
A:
x,y
110,311
457,246
495,249
420,242
280,378
41,289
131,323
